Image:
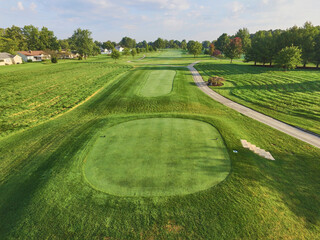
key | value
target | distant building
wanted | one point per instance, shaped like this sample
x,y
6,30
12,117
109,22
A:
x,y
105,51
9,59
34,56
119,48
65,54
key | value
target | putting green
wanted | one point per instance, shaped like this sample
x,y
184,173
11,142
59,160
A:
x,y
157,157
158,83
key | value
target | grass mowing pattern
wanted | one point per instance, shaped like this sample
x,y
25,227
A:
x,y
36,92
43,194
158,83
291,96
157,157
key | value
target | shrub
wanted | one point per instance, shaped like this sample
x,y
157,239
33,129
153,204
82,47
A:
x,y
216,53
80,58
29,60
215,81
54,60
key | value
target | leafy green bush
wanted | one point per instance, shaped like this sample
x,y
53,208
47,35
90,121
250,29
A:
x,y
54,60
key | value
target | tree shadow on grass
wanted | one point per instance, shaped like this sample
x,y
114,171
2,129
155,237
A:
x,y
296,178
21,188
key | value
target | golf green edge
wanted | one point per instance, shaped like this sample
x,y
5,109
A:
x,y
156,157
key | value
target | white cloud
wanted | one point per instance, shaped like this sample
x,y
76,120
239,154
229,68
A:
x,y
33,6
237,7
266,2
102,3
173,23
20,6
178,5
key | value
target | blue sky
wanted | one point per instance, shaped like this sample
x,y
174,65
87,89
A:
x,y
150,19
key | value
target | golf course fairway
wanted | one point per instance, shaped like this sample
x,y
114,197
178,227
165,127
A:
x,y
158,83
156,157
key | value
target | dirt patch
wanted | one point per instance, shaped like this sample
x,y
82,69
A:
x,y
171,227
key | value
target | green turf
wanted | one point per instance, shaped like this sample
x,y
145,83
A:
x,y
157,157
44,194
290,96
158,83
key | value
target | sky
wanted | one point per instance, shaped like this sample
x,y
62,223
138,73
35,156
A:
x,y
149,19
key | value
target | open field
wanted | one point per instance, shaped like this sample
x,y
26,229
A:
x,y
291,96
44,193
34,93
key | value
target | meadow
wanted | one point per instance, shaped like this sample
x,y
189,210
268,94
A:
x,y
290,96
45,192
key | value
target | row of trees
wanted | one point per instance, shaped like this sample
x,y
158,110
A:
x,y
29,37
264,46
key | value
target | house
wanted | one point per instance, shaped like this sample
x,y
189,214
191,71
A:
x,y
9,59
65,54
119,48
34,56
105,51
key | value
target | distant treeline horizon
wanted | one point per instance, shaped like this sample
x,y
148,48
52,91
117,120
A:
x,y
261,47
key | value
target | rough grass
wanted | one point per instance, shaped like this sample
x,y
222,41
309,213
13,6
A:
x,y
290,96
157,157
158,83
33,93
43,193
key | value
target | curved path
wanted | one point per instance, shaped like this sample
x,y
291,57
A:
x,y
138,59
281,126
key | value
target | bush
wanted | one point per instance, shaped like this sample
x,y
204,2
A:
x,y
215,81
216,53
80,58
29,60
54,60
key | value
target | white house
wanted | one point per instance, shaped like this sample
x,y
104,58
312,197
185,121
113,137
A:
x,y
34,56
105,51
119,48
9,59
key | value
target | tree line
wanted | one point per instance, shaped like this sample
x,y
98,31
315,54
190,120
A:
x,y
13,39
264,47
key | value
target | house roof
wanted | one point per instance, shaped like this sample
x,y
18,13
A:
x,y
31,53
4,55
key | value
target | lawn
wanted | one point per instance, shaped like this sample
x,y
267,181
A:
x,y
290,96
44,193
176,156
159,82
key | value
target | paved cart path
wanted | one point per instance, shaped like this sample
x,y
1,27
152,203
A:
x,y
281,126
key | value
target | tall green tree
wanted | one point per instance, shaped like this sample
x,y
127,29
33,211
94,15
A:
x,y
47,40
206,44
307,44
82,42
32,37
316,54
128,42
194,48
108,45
159,43
289,57
18,39
222,42
184,44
